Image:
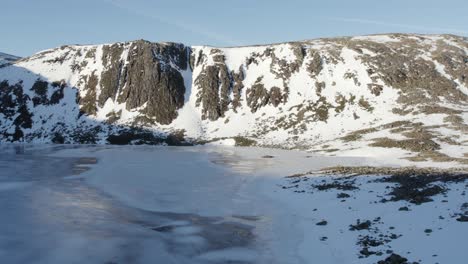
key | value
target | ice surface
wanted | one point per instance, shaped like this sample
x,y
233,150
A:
x,y
13,185
214,204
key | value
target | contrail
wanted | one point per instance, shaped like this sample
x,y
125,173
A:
x,y
413,27
190,27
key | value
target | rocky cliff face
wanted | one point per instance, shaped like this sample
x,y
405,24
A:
x,y
144,75
407,93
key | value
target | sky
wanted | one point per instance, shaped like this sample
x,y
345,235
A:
x,y
29,26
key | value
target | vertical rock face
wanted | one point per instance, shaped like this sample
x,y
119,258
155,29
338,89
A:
x,y
148,76
215,85
88,101
111,77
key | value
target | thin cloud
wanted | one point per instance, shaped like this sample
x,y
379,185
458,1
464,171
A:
x,y
177,23
406,26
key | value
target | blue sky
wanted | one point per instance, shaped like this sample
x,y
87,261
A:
x,y
29,26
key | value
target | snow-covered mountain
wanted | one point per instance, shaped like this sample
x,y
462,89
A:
x,y
355,95
7,59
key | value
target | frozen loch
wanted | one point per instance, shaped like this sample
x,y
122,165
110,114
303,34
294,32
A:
x,y
211,204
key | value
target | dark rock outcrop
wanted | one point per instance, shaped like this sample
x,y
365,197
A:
x,y
258,96
13,106
88,101
150,76
215,86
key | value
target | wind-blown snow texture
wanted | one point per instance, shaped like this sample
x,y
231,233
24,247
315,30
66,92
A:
x,y
353,94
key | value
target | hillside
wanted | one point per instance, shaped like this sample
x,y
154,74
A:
x,y
6,59
395,95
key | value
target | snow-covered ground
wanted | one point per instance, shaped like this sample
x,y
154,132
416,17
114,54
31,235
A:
x,y
210,204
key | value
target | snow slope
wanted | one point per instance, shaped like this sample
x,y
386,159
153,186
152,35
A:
x,y
359,95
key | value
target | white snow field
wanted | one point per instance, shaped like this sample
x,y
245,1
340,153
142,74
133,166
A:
x,y
211,204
